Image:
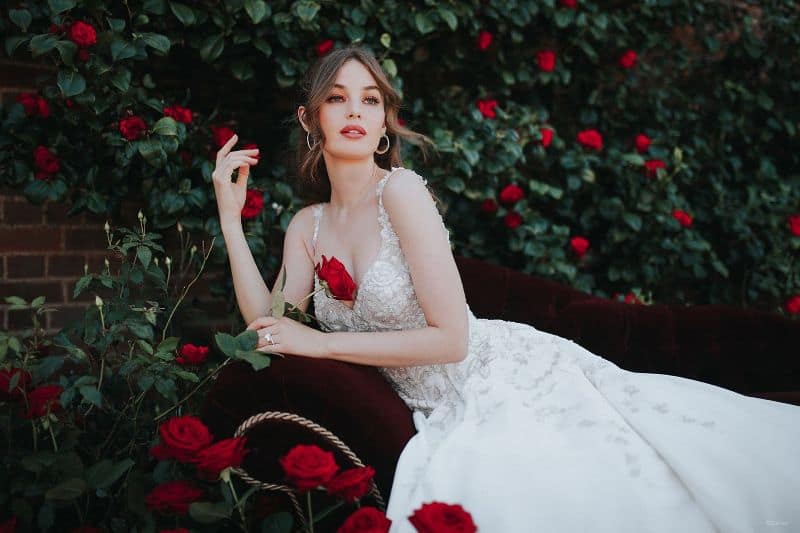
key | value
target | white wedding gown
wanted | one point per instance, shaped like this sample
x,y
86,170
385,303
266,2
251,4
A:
x,y
532,433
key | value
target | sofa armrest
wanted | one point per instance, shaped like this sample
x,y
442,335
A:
x,y
354,402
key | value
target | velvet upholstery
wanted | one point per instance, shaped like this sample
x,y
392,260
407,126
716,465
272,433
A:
x,y
750,352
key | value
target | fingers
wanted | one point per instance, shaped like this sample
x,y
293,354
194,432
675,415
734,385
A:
x,y
226,149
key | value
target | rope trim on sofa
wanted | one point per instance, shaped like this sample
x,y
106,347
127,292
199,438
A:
x,y
307,424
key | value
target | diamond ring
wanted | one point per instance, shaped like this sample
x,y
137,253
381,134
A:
x,y
268,337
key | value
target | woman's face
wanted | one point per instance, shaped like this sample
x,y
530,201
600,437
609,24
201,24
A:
x,y
353,102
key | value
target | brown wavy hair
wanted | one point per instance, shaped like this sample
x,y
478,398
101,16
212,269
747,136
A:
x,y
313,183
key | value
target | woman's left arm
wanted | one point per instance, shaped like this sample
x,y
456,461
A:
x,y
437,284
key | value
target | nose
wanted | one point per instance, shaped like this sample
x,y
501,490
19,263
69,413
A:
x,y
353,113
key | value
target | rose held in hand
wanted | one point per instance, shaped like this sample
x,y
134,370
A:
x,y
231,196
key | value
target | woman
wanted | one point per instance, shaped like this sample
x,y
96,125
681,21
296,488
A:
x,y
526,430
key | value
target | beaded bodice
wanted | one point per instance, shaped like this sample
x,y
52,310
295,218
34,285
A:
x,y
386,301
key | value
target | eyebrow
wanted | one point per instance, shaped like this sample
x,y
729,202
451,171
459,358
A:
x,y
368,87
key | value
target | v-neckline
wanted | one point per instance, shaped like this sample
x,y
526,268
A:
x,y
377,258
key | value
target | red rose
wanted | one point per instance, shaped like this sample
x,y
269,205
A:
x,y
46,162
631,298
22,382
221,135
352,484
438,517
253,203
792,305
192,355
484,40
627,59
83,55
547,136
366,520
651,166
512,219
571,4
308,466
221,455
253,146
338,280
579,245
642,142
591,139
43,399
82,34
132,127
486,108
181,438
43,107
173,496
683,217
489,206
511,194
547,60
55,29
30,102
794,224
10,525
324,47
181,114
68,102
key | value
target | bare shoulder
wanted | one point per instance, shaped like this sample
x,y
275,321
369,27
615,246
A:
x,y
301,227
404,187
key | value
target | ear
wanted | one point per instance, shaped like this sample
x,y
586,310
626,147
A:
x,y
301,111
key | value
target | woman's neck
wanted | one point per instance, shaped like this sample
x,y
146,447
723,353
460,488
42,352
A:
x,y
351,184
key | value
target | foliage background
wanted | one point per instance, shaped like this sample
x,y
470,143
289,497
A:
x,y
713,87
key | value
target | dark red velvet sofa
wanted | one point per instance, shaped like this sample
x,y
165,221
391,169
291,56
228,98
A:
x,y
751,352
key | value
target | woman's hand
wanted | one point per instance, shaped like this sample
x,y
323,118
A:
x,y
289,337
230,195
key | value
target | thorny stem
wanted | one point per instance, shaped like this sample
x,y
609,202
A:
x,y
186,289
199,385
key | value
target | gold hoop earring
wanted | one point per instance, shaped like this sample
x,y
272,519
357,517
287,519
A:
x,y
388,144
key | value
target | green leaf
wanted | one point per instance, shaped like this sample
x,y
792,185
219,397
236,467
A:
x,y
67,50
157,41
121,79
116,25
92,395
386,40
166,126
103,474
448,17
423,23
122,49
20,17
633,159
305,10
256,9
168,344
208,512
13,42
186,375
144,254
66,491
71,83
563,17
227,343
455,184
247,340
143,331
257,360
38,301
59,6
15,300
41,44
390,67
212,48
633,220
184,13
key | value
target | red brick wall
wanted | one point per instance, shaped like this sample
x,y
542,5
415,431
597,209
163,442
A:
x,y
43,252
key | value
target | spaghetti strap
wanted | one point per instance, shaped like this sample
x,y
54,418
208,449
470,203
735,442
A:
x,y
317,211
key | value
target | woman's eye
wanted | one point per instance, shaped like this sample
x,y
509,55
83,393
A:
x,y
372,99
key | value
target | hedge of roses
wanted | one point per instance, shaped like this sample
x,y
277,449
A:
x,y
641,149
